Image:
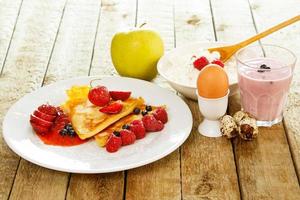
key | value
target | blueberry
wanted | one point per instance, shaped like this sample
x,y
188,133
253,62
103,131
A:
x,y
144,112
148,108
126,126
116,133
63,132
72,133
136,111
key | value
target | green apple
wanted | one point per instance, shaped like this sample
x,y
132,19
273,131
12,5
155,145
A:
x,y
136,53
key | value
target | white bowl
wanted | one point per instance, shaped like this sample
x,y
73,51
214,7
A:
x,y
177,58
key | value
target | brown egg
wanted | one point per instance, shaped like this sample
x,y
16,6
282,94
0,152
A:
x,y
212,82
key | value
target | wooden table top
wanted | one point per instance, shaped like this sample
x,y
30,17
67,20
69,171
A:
x,y
43,41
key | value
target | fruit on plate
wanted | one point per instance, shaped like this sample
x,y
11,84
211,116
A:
x,y
138,128
99,96
127,136
113,108
135,53
212,82
119,95
114,143
152,124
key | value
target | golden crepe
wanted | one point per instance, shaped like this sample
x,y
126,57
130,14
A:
x,y
87,120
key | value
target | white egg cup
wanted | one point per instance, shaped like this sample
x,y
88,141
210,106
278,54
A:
x,y
212,110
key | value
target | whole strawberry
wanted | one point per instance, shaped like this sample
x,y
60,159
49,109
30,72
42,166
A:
x,y
113,144
137,127
127,136
161,114
99,96
151,124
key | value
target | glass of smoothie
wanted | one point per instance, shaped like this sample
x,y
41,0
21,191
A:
x,y
264,76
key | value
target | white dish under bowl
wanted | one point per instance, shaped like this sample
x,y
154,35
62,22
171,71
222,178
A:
x,y
178,58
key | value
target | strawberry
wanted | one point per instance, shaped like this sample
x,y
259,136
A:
x,y
161,114
137,127
151,124
200,62
113,144
44,116
47,109
39,129
119,95
127,136
40,122
113,108
218,62
99,96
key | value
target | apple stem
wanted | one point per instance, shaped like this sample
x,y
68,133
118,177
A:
x,y
143,24
91,82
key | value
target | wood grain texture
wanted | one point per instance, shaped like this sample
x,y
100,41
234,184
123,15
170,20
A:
x,y
159,180
9,11
28,54
113,15
69,59
203,177
266,14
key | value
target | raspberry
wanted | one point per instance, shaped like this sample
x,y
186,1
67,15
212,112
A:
x,y
113,108
99,96
161,114
218,62
200,62
127,136
137,127
113,144
151,124
119,95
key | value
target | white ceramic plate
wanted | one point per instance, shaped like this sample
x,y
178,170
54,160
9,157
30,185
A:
x,y
180,56
88,157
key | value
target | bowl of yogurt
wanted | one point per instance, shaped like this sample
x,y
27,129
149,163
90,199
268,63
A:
x,y
176,66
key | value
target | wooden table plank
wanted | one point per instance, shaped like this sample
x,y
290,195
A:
x,y
269,13
113,16
159,180
264,166
28,54
202,174
9,12
69,59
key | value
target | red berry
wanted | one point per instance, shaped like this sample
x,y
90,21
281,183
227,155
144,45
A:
x,y
40,122
200,62
127,136
119,95
113,144
44,116
161,114
218,62
99,96
39,129
48,109
113,108
137,127
151,124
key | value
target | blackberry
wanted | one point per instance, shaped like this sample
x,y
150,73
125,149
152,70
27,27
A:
x,y
148,108
144,112
117,133
136,111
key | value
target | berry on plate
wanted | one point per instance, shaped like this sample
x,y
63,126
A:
x,y
47,109
99,96
218,62
38,128
137,127
119,95
40,122
161,114
151,124
200,62
44,116
113,144
127,136
113,108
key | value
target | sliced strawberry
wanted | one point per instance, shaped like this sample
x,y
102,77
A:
x,y
39,129
40,121
99,96
161,114
127,136
44,116
48,109
119,95
113,108
200,62
218,62
151,124
113,144
137,127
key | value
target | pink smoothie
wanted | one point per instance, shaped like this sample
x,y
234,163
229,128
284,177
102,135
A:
x,y
264,94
